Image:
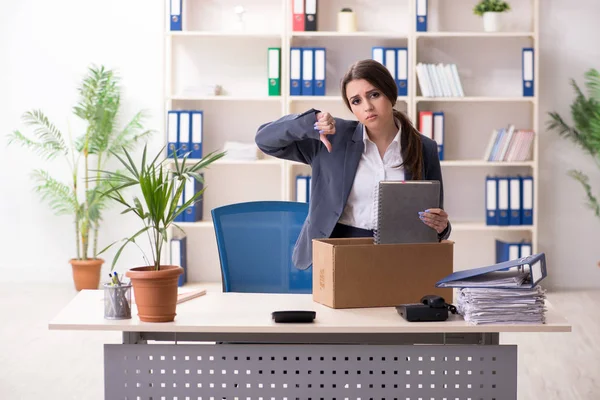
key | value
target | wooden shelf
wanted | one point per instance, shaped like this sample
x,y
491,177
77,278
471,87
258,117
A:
x,y
481,226
330,98
225,161
315,98
225,98
476,34
374,34
226,34
476,99
456,227
481,163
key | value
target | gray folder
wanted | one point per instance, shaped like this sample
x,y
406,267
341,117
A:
x,y
398,211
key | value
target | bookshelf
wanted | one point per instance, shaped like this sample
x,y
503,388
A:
x,y
212,49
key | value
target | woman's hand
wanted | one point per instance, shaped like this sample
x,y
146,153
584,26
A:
x,y
435,218
326,126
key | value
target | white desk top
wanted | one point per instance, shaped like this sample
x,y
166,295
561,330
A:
x,y
251,313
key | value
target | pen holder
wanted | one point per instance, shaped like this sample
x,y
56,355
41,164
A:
x,y
117,301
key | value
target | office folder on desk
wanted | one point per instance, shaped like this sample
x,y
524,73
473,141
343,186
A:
x,y
522,273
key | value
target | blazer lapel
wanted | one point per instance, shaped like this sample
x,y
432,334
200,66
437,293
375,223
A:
x,y
354,150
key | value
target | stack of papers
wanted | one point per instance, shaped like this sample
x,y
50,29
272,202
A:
x,y
503,293
481,306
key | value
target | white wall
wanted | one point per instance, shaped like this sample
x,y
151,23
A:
x,y
569,232
45,48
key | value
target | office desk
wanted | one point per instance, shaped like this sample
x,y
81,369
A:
x,y
370,353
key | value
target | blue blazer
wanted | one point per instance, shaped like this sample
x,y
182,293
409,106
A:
x,y
294,138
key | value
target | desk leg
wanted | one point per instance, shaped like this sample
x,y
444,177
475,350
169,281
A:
x,y
310,371
133,338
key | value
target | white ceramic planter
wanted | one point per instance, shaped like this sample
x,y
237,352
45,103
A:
x,y
491,21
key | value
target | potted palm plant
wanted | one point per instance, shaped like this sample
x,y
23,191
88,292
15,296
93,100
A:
x,y
490,10
161,184
98,105
585,112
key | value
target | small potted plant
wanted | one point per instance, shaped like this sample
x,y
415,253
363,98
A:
x,y
161,184
490,10
98,106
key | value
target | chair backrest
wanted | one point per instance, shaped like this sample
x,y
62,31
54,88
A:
x,y
255,241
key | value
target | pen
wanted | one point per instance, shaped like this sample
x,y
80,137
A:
x,y
117,278
112,278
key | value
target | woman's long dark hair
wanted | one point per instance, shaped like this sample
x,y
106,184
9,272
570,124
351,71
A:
x,y
378,75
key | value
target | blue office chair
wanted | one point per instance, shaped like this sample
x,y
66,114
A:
x,y
255,242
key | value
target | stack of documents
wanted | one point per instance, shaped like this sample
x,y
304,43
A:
x,y
503,293
481,306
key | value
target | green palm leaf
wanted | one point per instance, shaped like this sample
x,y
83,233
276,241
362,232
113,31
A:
x,y
59,196
131,135
98,84
585,131
161,191
98,104
593,83
49,141
46,150
97,202
592,201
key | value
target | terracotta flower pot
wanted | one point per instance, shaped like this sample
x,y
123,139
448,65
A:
x,y
86,273
155,292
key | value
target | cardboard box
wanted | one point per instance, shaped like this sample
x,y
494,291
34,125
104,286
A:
x,y
355,272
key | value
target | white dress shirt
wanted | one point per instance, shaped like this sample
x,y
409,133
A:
x,y
360,210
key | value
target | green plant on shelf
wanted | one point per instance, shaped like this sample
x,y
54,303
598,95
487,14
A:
x,y
490,6
585,112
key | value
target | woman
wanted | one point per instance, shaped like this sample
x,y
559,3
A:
x,y
349,158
